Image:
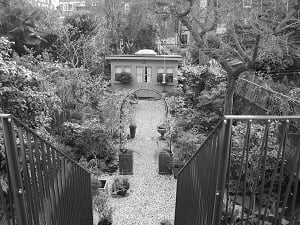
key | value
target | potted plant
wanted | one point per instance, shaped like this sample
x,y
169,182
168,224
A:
x,y
162,129
132,128
124,77
125,162
120,186
99,185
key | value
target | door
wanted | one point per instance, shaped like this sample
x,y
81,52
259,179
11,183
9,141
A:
x,y
144,75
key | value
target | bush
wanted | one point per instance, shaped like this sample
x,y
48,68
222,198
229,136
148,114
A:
x,y
120,186
101,207
100,202
124,77
90,140
257,133
106,218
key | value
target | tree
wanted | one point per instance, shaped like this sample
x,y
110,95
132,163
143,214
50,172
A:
x,y
132,29
18,21
260,35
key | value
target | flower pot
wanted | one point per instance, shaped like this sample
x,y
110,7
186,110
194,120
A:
x,y
132,131
164,163
176,168
126,163
162,132
103,186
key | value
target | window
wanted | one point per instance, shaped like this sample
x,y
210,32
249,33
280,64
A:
x,y
126,7
127,69
118,69
160,71
169,75
148,72
247,3
139,74
184,39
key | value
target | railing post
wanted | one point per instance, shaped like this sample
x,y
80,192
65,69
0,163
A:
x,y
14,170
222,169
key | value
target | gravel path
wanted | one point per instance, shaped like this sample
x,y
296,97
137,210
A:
x,y
151,196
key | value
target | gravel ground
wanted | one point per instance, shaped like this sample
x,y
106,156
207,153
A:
x,y
151,196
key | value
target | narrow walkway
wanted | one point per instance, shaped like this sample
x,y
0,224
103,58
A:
x,y
151,196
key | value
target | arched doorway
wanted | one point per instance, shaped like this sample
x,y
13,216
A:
x,y
132,94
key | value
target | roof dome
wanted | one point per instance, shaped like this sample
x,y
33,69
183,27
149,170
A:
x,y
145,52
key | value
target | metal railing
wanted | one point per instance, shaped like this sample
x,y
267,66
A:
x,y
274,102
45,185
239,175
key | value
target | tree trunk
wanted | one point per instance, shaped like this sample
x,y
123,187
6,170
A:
x,y
230,88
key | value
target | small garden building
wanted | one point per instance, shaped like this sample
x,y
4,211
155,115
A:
x,y
144,70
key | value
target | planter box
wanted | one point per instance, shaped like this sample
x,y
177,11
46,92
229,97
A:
x,y
126,163
103,186
176,168
164,163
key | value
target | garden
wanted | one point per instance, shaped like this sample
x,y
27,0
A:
x,y
54,77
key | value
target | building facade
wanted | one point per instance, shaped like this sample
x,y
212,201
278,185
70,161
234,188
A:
x,y
148,71
48,4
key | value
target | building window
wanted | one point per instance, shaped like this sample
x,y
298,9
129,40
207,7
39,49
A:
x,y
160,72
169,75
70,7
247,3
65,7
139,74
118,70
148,73
184,39
126,7
127,69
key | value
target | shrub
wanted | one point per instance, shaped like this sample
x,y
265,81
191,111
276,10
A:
x,y
106,218
124,77
90,140
120,186
100,202
238,138
101,207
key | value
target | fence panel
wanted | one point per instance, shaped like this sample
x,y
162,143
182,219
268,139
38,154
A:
x,y
55,189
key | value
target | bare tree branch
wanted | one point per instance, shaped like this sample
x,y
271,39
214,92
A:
x,y
255,52
238,45
290,15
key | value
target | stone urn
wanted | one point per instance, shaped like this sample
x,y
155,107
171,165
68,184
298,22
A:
x,y
162,130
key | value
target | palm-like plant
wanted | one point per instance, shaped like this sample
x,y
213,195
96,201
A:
x,y
17,22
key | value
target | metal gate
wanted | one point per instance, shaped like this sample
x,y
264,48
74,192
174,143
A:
x,y
45,186
246,172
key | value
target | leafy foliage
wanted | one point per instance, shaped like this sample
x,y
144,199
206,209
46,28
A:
x,y
253,166
90,140
196,109
124,77
120,186
23,93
